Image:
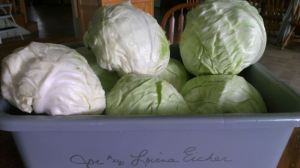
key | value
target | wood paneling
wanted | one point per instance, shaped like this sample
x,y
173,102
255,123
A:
x,y
87,8
145,5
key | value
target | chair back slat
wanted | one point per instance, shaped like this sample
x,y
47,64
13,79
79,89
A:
x,y
171,29
181,22
174,27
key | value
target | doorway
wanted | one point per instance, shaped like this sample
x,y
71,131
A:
x,y
53,17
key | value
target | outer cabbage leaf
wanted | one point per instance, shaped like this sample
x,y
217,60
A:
x,y
222,94
53,79
145,95
127,40
108,78
175,74
222,37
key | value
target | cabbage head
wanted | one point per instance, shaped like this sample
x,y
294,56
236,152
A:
x,y
175,74
144,95
108,78
125,39
210,94
222,37
53,79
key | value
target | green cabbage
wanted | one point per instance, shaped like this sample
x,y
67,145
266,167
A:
x,y
108,78
175,74
145,95
127,40
222,94
222,37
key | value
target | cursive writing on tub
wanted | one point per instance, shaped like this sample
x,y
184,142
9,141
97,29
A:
x,y
145,158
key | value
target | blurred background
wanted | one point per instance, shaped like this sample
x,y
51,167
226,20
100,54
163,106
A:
x,y
65,21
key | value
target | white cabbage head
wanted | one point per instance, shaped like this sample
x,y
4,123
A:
x,y
127,40
53,79
222,37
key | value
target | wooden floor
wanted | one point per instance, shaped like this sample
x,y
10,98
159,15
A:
x,y
284,64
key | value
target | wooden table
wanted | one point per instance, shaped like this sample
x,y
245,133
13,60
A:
x,y
291,155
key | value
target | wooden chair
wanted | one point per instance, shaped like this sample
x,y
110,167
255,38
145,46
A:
x,y
291,22
281,18
272,12
176,14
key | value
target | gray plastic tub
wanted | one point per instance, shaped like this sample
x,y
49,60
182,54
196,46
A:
x,y
211,141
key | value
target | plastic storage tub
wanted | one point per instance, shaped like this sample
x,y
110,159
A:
x,y
210,141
